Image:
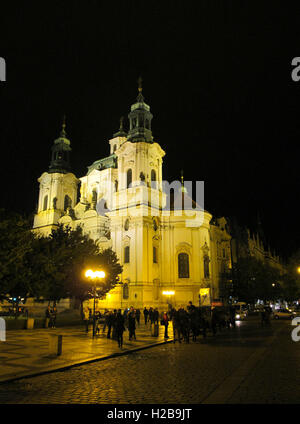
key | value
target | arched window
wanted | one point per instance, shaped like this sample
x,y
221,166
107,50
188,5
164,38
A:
x,y
153,178
126,226
206,266
116,185
94,196
154,255
45,204
141,121
67,202
129,178
125,291
126,255
183,265
115,148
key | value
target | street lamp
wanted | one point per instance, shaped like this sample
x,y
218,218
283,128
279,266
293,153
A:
x,y
94,275
298,269
168,293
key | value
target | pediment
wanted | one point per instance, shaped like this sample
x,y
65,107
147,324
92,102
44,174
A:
x,y
65,220
90,213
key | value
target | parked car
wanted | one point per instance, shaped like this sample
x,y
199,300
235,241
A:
x,y
283,314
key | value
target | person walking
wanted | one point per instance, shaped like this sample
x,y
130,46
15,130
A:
x,y
232,315
120,328
105,320
48,316
214,320
138,316
151,315
176,325
155,316
86,318
268,315
191,307
97,320
131,324
146,314
109,322
165,322
53,316
114,318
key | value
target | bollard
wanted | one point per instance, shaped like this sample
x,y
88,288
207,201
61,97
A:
x,y
30,323
55,344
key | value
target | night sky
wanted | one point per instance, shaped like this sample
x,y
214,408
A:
x,y
216,74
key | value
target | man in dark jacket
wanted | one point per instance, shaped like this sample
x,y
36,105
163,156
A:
x,y
155,316
120,327
151,315
131,324
146,313
109,322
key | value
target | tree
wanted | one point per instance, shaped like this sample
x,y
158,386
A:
x,y
253,279
15,245
69,254
291,279
50,267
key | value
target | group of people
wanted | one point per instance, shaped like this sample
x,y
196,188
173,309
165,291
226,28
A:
x,y
187,322
51,314
193,321
115,322
151,315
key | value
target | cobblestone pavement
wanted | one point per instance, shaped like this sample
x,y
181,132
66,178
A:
x,y
276,377
177,373
27,352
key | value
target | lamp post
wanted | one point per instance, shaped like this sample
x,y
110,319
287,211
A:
x,y
94,275
168,293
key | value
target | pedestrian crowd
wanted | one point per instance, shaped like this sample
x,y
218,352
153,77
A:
x,y
115,322
187,322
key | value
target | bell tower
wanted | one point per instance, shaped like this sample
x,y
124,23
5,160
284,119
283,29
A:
x,y
140,119
58,187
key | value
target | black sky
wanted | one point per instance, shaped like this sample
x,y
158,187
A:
x,y
216,74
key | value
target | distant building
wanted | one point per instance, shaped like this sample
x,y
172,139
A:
x,y
245,243
123,205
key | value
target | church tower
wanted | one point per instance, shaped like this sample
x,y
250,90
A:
x,y
137,202
58,187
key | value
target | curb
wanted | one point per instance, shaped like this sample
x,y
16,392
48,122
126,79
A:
x,y
88,361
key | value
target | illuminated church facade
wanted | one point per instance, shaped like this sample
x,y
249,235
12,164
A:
x,y
171,249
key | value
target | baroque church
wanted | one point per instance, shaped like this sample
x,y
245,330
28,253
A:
x,y
171,249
